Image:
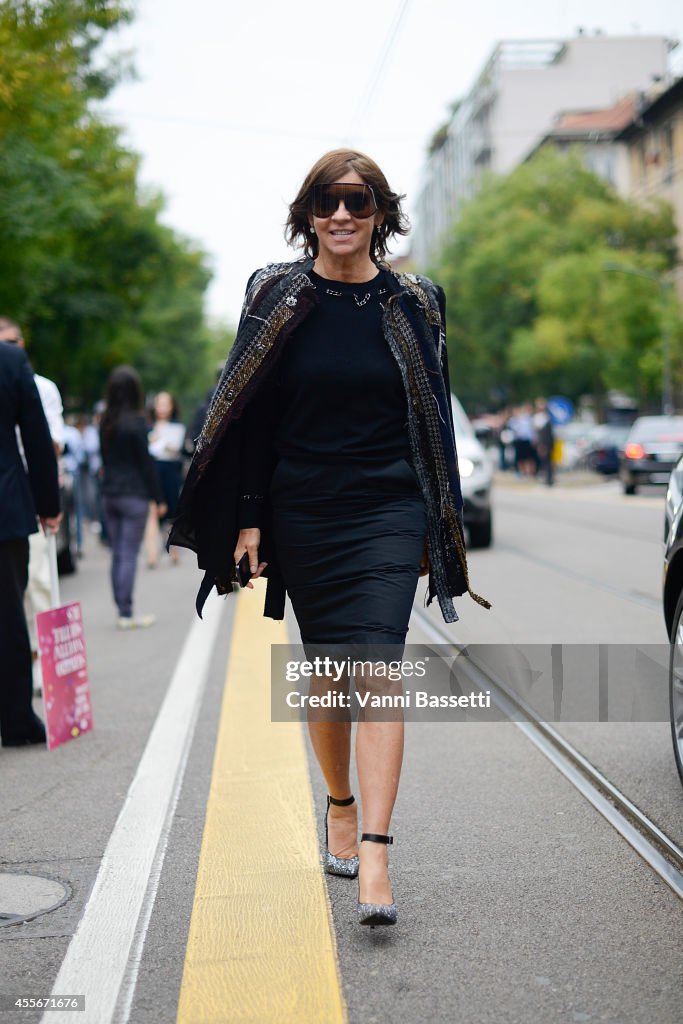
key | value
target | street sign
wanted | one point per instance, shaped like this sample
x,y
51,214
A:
x,y
561,409
66,689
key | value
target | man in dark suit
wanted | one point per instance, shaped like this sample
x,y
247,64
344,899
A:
x,y
24,495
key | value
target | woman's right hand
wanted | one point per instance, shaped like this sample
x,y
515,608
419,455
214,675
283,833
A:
x,y
249,540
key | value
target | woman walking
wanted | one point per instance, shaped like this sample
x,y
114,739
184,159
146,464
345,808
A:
x,y
166,442
328,457
129,483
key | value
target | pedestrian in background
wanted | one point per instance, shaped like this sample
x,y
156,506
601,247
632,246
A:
x,y
522,427
29,489
166,444
73,458
328,458
506,438
37,597
545,441
92,479
129,483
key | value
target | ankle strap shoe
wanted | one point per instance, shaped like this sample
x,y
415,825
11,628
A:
x,y
347,867
374,914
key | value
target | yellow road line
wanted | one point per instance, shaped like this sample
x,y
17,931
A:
x,y
261,945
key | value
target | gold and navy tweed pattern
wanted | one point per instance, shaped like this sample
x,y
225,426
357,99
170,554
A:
x,y
447,557
256,336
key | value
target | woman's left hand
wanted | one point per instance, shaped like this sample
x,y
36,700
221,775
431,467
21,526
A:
x,y
424,561
248,541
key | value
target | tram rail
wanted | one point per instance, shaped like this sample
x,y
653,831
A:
x,y
649,841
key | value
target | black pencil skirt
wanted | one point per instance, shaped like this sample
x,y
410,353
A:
x,y
349,539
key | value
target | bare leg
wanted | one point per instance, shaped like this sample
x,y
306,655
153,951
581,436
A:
x,y
330,732
152,538
379,755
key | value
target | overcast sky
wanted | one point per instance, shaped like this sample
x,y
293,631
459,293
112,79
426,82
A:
x,y
235,100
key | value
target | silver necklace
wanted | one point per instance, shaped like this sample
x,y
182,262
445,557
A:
x,y
359,302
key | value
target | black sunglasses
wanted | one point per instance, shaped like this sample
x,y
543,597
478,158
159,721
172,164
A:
x,y
359,200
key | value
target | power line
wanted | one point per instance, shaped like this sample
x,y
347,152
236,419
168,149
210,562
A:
x,y
380,67
245,129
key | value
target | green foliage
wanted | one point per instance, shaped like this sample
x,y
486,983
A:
x,y
86,265
532,306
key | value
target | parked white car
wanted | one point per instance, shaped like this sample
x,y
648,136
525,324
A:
x,y
476,477
575,439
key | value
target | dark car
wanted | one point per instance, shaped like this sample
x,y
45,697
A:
x,y
673,604
66,563
651,451
604,446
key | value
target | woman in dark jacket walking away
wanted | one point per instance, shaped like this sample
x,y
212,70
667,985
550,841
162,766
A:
x,y
129,483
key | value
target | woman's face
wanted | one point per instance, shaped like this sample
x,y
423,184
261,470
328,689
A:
x,y
163,406
341,235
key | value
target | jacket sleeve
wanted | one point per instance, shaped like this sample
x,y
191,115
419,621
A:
x,y
257,456
38,447
444,356
53,408
449,406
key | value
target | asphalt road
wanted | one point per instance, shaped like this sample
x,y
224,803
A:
x,y
517,901
583,566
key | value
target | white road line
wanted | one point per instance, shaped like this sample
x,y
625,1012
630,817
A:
x,y
97,960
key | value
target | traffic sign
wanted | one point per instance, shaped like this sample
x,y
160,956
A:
x,y
561,409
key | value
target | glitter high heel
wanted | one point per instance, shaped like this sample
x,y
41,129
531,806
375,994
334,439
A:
x,y
345,866
373,914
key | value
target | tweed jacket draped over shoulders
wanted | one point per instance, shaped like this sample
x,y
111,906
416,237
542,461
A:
x,y
278,298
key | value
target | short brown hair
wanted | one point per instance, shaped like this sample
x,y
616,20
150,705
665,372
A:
x,y
7,324
329,168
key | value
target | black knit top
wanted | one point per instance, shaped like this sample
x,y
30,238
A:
x,y
335,396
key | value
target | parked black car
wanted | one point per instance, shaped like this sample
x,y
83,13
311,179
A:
x,y
605,444
651,451
673,604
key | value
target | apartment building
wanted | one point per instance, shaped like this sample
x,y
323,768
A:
x,y
511,106
654,139
595,133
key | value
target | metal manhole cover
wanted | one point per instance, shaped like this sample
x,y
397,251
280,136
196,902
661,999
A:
x,y
23,897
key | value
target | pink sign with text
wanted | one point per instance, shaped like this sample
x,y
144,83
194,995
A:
x,y
66,690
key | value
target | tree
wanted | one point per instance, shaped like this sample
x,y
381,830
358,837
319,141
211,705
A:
x,y
47,80
531,307
87,266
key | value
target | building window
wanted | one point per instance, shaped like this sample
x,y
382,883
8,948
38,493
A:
x,y
642,166
668,152
610,168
